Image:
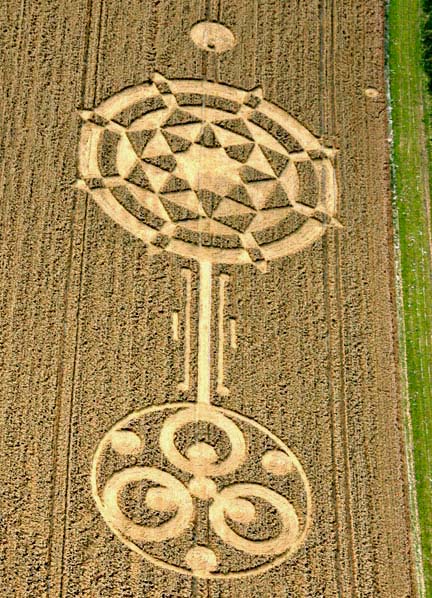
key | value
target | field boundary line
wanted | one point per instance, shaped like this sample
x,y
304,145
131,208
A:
x,y
69,351
408,100
346,563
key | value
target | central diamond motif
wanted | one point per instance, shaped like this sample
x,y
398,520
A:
x,y
208,169
228,177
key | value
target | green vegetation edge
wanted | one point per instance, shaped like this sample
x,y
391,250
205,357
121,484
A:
x,y
411,116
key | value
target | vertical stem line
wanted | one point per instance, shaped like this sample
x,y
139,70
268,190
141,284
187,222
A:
x,y
221,388
204,332
184,386
175,326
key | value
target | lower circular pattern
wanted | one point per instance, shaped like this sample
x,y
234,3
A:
x,y
174,489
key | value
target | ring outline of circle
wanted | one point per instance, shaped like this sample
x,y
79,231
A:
x,y
175,568
184,513
217,513
308,233
206,413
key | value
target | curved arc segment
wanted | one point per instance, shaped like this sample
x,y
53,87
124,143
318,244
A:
x,y
88,162
306,139
208,87
287,515
142,533
125,98
109,204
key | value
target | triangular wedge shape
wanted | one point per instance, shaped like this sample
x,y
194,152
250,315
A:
x,y
175,184
239,152
180,117
278,199
229,207
239,222
150,201
208,138
139,139
227,138
277,161
176,212
157,146
252,175
236,125
166,162
157,176
187,200
176,143
138,177
209,201
187,132
259,162
260,192
268,218
239,193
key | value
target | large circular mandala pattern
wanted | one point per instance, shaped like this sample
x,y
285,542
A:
x,y
189,506
214,173
207,171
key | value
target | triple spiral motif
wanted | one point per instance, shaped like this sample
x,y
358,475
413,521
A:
x,y
160,511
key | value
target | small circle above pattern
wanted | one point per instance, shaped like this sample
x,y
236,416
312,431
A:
x,y
212,37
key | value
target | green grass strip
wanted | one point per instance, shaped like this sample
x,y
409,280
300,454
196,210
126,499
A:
x,y
410,103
